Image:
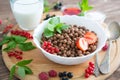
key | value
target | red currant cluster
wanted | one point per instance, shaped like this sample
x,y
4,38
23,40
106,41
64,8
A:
x,y
7,28
16,54
22,33
45,76
47,46
90,70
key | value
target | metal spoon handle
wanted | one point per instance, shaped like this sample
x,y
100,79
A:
x,y
96,70
105,65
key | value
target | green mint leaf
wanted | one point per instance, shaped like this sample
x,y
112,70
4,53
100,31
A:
x,y
54,21
50,27
46,9
46,3
21,71
11,45
6,39
64,26
26,46
81,14
48,33
12,72
59,27
27,70
24,62
84,6
19,39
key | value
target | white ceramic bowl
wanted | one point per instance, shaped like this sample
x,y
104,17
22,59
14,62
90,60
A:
x,y
72,20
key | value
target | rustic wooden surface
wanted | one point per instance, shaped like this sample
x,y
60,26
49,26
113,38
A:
x,y
41,63
110,8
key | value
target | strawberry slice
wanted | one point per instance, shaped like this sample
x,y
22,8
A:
x,y
82,44
90,37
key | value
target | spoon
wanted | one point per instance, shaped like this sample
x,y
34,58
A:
x,y
96,70
114,33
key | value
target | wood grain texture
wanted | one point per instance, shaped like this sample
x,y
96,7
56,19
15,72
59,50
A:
x,y
42,64
110,8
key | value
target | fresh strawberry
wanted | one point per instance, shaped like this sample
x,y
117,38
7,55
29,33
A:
x,y
91,37
82,44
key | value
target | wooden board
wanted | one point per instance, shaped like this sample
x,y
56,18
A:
x,y
41,63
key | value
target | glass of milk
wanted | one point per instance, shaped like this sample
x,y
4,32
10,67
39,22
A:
x,y
27,13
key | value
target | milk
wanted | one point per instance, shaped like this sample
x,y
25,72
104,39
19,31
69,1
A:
x,y
28,13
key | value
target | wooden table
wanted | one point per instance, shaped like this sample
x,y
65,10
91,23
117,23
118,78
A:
x,y
110,8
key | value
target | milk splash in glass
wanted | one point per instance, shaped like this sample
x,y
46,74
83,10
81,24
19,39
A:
x,y
27,13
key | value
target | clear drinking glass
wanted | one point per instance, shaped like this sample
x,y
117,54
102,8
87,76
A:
x,y
27,13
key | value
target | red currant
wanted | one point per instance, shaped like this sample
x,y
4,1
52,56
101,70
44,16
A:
x,y
91,63
90,72
87,75
86,70
90,68
0,21
105,47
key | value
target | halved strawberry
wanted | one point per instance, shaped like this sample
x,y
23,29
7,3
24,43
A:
x,y
82,44
90,37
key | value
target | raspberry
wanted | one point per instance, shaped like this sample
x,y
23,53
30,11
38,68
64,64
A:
x,y
52,73
43,76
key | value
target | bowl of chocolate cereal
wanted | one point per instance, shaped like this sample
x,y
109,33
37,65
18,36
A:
x,y
69,40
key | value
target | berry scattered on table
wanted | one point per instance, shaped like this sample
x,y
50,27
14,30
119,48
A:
x,y
22,33
89,71
52,73
65,75
0,21
7,28
69,75
47,46
105,47
16,54
57,6
43,76
64,78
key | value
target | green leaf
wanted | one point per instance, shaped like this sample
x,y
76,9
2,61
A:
x,y
48,33
19,39
27,70
12,72
24,62
54,21
84,6
46,9
64,26
26,46
46,3
10,46
6,39
50,27
59,27
21,71
81,14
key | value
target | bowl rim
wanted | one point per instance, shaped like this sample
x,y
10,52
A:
x,y
67,58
